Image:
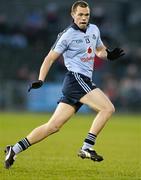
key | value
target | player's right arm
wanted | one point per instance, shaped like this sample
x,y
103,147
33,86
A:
x,y
45,67
57,49
47,63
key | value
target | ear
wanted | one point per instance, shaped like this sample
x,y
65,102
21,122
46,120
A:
x,y
72,15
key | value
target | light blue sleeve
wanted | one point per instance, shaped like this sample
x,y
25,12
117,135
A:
x,y
61,43
99,41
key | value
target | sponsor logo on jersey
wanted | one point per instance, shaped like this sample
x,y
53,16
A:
x,y
89,57
78,41
86,59
89,50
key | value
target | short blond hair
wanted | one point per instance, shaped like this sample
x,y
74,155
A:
x,y
82,4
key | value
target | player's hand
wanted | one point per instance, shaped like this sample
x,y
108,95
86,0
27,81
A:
x,y
35,85
114,54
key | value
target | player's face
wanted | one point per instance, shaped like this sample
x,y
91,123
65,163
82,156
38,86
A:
x,y
81,17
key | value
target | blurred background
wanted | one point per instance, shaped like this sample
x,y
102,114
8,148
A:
x,y
28,29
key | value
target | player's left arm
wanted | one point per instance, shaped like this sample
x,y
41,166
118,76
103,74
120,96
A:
x,y
104,53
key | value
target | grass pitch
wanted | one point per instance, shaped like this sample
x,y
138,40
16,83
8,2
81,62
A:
x,y
56,157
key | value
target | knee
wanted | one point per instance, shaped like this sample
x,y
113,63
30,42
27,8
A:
x,y
110,109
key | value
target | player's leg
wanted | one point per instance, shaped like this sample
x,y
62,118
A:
x,y
61,115
98,101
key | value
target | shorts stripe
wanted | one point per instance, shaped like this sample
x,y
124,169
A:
x,y
82,83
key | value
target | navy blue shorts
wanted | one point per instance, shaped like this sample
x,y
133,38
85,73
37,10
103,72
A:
x,y
75,86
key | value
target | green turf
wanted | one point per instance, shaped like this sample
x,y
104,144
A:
x,y
56,157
